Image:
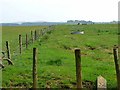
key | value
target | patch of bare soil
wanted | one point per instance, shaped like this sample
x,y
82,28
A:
x,y
88,84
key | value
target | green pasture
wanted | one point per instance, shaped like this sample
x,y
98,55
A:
x,y
56,59
11,34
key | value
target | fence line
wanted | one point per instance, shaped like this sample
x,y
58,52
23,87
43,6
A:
x,y
77,58
24,42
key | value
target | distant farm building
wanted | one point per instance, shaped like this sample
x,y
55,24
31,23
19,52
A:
x,y
79,22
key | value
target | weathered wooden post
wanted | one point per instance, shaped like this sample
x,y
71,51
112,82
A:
x,y
78,68
20,43
34,68
117,66
32,38
35,35
8,54
8,50
26,41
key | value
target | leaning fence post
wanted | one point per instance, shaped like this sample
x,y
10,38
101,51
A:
x,y
8,50
34,68
26,41
78,68
117,66
8,54
20,43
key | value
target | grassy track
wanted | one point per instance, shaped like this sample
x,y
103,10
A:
x,y
56,62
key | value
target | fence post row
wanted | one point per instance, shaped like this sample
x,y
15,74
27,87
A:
x,y
78,68
34,36
117,67
34,68
77,60
20,43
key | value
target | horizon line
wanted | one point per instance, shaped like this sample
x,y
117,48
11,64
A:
x,y
56,21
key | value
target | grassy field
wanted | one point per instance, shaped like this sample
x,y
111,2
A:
x,y
56,61
11,34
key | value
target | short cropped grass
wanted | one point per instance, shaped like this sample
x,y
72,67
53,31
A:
x,y
56,60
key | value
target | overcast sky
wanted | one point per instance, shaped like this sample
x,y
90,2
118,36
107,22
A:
x,y
58,10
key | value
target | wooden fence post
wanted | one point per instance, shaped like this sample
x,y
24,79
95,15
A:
x,y
32,38
34,68
20,43
78,68
8,54
117,66
35,35
8,50
26,41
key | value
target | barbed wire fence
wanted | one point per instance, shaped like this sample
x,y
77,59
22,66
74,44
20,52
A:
x,y
22,42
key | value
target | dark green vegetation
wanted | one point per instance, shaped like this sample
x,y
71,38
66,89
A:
x,y
56,61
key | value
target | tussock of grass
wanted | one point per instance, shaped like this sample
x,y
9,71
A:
x,y
57,62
